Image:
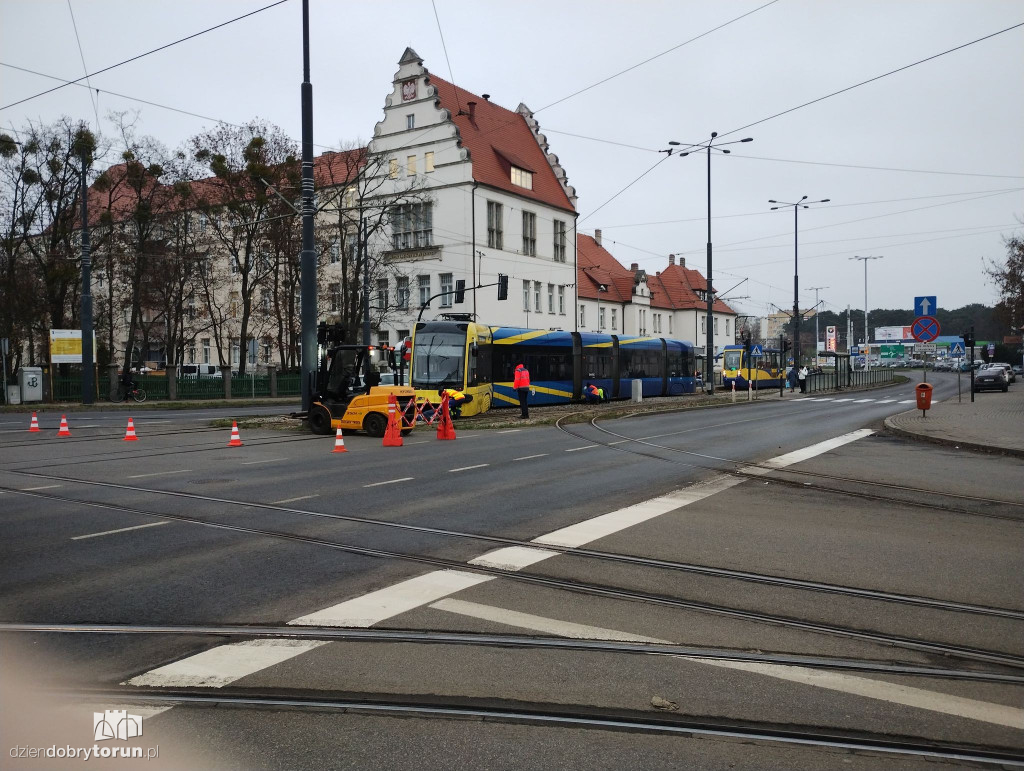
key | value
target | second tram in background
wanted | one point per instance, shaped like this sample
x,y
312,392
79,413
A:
x,y
765,371
480,361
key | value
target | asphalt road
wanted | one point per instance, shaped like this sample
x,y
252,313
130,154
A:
x,y
179,529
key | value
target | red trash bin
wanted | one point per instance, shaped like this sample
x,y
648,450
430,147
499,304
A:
x,y
924,396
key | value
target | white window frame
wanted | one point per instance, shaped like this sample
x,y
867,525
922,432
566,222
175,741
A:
x,y
410,166
495,229
530,233
561,300
526,296
447,286
428,161
423,287
559,241
522,178
536,296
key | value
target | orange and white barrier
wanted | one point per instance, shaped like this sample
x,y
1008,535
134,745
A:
x,y
35,423
64,430
129,435
339,442
236,440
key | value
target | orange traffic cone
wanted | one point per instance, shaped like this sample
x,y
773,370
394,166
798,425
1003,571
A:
x,y
236,440
393,435
64,430
129,435
339,442
445,428
35,423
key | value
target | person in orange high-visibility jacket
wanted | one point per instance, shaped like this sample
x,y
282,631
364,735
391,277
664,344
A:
x,y
455,400
592,393
521,383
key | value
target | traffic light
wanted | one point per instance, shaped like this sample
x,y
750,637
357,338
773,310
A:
x,y
502,286
460,290
968,337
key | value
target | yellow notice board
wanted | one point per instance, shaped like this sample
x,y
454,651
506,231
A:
x,y
66,346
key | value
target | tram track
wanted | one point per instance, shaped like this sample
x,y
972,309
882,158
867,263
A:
x,y
545,714
966,653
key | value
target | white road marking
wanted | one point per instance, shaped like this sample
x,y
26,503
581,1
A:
x,y
588,447
119,530
887,401
292,500
510,430
158,473
389,482
42,487
539,623
948,704
531,457
268,460
512,558
843,400
782,461
468,468
826,398
224,664
861,401
372,608
881,690
908,401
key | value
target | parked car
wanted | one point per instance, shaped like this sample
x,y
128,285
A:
x,y
199,370
1009,370
990,379
1018,370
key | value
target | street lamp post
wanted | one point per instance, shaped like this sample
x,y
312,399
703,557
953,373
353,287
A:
x,y
709,351
817,312
866,338
796,272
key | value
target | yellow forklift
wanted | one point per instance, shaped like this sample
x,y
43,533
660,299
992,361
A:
x,y
348,393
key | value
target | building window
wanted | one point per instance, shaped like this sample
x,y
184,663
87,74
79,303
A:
x,y
203,221
428,162
615,321
412,226
600,318
526,296
424,286
335,251
703,325
410,121
233,261
551,298
522,178
236,350
266,350
264,301
402,293
393,168
670,324
349,199
494,229
530,233
410,166
643,322
334,297
206,350
561,300
583,316
382,294
536,296
192,354
233,305
403,334
727,327
383,338
447,288
716,325
559,241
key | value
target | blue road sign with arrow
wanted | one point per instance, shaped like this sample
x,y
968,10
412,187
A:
x,y
756,350
925,306
956,349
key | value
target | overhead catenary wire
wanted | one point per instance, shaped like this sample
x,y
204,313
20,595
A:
x,y
81,54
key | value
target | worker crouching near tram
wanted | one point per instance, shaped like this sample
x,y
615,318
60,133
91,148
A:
x,y
455,400
593,394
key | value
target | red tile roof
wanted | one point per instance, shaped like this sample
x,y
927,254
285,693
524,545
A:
x,y
496,139
676,287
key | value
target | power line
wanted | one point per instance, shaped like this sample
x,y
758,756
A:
x,y
656,56
880,168
81,54
444,47
871,80
147,53
623,190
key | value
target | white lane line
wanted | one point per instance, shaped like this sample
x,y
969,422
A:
x,y
881,690
887,401
389,482
418,441
826,398
268,460
531,457
224,664
861,401
372,608
510,430
467,468
588,447
158,473
292,500
908,401
539,623
119,530
380,605
843,400
805,453
42,487
958,706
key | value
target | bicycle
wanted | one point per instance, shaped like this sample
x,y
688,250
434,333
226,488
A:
x,y
122,393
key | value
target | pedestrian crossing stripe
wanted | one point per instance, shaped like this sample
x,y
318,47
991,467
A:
x,y
843,400
907,401
887,401
861,401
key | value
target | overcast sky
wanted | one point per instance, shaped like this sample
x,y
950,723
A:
x,y
949,132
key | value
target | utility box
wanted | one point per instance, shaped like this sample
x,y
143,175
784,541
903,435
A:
x,y
14,394
638,391
31,381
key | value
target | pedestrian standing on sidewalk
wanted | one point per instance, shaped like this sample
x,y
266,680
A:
x,y
792,378
521,383
802,377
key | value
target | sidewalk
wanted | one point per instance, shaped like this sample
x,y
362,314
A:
x,y
994,422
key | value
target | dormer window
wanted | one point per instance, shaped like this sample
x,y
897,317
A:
x,y
522,178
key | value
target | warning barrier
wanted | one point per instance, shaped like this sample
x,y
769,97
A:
x,y
64,430
393,434
129,435
339,442
35,423
236,440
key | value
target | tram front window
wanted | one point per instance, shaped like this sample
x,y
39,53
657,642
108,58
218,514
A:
x,y
732,360
438,360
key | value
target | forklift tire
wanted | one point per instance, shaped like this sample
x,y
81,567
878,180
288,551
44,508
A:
x,y
319,420
375,424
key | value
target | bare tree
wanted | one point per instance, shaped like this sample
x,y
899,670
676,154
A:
x,y
1009,279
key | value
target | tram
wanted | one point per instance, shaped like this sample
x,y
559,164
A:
x,y
761,372
480,361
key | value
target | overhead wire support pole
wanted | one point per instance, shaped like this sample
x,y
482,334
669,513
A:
x,y
307,258
817,303
88,391
866,339
709,351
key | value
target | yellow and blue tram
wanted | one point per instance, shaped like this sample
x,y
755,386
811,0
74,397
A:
x,y
765,371
480,360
